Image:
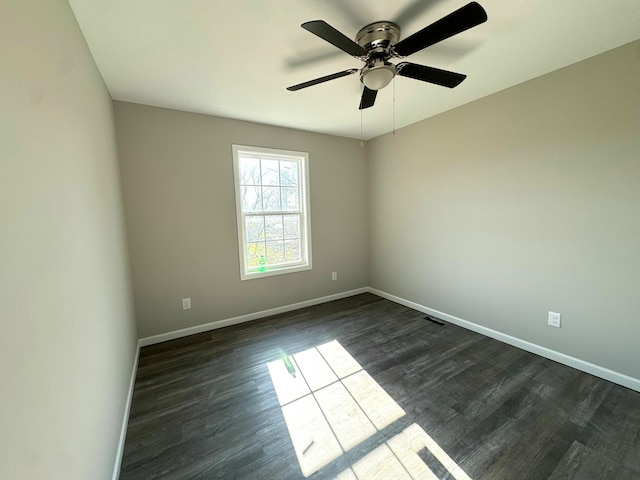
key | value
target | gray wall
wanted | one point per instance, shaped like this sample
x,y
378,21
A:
x,y
520,203
68,336
177,174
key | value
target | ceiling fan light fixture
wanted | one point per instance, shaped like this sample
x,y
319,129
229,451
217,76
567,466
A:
x,y
378,76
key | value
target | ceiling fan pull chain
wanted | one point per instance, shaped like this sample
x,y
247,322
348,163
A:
x,y
394,105
361,136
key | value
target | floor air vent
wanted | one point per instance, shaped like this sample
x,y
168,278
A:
x,y
435,320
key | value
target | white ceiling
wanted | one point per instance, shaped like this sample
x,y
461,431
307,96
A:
x,y
234,58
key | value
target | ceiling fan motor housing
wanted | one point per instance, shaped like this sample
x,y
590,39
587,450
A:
x,y
378,37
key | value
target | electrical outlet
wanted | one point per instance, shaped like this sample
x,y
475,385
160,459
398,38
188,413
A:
x,y
554,319
186,303
334,275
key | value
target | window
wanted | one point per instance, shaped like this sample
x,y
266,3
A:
x,y
272,204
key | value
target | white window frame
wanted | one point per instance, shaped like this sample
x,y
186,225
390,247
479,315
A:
x,y
247,273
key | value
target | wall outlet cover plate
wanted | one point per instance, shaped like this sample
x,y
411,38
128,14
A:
x,y
554,319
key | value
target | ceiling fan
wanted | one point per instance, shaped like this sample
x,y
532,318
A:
x,y
377,43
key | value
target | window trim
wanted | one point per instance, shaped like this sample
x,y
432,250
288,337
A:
x,y
305,211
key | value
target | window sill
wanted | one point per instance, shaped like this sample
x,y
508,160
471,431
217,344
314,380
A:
x,y
270,272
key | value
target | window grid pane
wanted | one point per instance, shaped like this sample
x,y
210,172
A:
x,y
290,199
251,199
254,228
255,251
270,171
292,251
291,225
289,173
250,171
275,252
271,199
274,228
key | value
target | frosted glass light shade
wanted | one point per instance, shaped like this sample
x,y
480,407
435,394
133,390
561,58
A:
x,y
378,77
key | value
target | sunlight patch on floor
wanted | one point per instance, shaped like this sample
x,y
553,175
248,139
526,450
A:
x,y
288,387
381,409
330,405
313,440
347,420
315,370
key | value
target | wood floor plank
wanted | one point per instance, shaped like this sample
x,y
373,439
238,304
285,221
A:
x,y
205,406
582,463
615,425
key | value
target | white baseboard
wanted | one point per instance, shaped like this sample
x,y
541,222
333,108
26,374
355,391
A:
x,y
125,420
163,337
596,370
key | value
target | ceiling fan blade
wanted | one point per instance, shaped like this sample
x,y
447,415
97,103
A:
x,y
462,19
325,31
414,10
326,78
311,57
444,78
368,98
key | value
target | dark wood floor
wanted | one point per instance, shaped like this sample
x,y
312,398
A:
x,y
204,407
